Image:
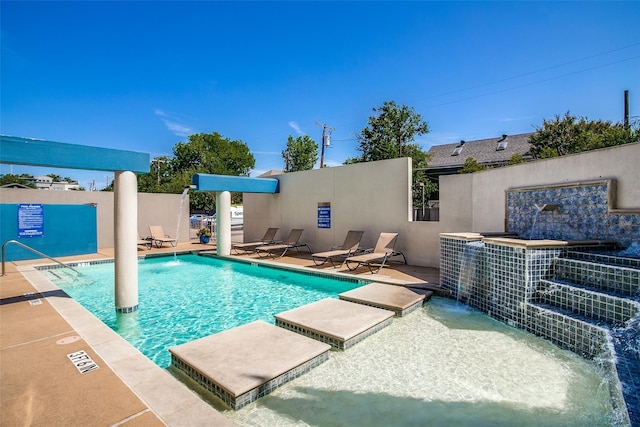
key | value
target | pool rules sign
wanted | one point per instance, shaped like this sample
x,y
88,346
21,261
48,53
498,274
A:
x,y
30,220
324,214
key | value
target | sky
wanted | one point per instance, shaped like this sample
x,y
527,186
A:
x,y
142,76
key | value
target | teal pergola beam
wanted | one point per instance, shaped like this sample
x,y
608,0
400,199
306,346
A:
x,y
236,184
38,152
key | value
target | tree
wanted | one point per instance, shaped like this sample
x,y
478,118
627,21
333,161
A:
x,y
301,154
389,133
202,153
516,159
471,165
570,134
17,179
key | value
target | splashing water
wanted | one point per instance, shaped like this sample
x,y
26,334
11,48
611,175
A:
x,y
182,199
468,268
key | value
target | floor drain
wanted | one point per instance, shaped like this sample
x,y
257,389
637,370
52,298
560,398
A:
x,y
68,340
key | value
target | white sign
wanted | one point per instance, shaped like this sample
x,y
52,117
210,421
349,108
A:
x,y
82,361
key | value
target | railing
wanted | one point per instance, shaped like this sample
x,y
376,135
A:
x,y
15,242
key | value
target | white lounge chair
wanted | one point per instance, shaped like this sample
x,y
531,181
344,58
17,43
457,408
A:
x,y
349,248
159,238
267,239
378,256
291,242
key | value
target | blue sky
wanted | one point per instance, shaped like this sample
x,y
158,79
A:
x,y
143,75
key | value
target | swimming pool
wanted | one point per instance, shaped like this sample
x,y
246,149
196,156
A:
x,y
190,296
445,364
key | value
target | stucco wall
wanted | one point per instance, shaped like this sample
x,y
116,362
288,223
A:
x,y
375,197
489,187
153,209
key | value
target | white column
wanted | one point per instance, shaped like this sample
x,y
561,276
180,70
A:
x,y
223,223
126,237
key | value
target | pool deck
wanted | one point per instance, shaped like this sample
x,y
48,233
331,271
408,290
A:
x,y
42,333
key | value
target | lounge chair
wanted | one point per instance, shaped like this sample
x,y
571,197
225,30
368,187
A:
x,y
159,238
349,248
267,239
385,249
291,242
147,243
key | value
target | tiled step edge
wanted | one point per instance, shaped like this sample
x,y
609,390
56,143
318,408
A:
x,y
595,305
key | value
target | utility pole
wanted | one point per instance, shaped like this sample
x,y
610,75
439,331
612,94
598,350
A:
x,y
158,161
326,140
626,109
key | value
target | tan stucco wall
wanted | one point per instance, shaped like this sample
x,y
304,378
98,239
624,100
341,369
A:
x,y
370,196
375,197
153,209
489,187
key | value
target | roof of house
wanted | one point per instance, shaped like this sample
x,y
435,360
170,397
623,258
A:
x,y
485,151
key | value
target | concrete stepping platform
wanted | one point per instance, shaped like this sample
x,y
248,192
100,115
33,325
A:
x,y
398,299
338,323
245,363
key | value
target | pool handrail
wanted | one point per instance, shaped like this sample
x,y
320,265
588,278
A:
x,y
32,250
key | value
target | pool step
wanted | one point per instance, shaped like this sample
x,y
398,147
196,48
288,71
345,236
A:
x,y
588,302
242,364
621,280
398,299
338,323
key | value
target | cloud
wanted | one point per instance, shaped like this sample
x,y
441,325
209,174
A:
x,y
173,124
515,119
294,126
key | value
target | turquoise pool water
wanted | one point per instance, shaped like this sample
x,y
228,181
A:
x,y
189,297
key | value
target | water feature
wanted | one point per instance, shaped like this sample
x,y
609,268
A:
x,y
468,277
547,207
182,199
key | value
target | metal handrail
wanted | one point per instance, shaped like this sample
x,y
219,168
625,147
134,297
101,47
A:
x,y
34,251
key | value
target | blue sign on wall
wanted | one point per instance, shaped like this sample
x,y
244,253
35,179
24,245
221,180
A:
x,y
324,215
30,220
70,229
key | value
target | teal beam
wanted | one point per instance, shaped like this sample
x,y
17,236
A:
x,y
37,152
238,184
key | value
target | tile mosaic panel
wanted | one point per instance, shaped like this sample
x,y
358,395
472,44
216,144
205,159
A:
x,y
583,213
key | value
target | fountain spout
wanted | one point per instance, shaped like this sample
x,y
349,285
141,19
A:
x,y
547,207
191,187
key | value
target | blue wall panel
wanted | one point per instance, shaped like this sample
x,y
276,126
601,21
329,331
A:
x,y
68,230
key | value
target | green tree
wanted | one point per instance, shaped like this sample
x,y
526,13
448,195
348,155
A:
x,y
17,179
516,159
389,133
570,134
471,165
202,153
301,154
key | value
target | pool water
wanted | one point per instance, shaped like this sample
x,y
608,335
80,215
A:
x,y
189,297
443,365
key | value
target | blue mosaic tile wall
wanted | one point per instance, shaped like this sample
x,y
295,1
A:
x,y
583,213
523,286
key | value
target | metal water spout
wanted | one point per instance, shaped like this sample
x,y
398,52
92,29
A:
x,y
547,207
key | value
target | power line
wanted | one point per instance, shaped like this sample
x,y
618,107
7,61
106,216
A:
x,y
533,83
534,72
